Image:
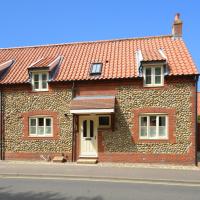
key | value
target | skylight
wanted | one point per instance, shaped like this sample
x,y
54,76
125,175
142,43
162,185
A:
x,y
96,68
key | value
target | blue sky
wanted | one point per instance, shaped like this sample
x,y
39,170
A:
x,y
33,22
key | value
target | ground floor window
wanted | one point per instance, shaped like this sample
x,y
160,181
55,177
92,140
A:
x,y
153,126
40,126
104,121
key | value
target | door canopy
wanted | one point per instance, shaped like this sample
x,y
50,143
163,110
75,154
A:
x,y
92,104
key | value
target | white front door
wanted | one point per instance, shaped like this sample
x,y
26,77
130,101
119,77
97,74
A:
x,y
88,136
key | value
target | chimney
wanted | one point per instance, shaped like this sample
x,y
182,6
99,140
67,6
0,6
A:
x,y
177,26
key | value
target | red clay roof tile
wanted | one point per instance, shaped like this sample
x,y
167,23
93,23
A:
x,y
94,102
117,56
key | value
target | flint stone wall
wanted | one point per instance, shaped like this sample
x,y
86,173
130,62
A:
x,y
128,98
18,102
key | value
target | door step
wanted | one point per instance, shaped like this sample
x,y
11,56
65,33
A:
x,y
87,161
59,159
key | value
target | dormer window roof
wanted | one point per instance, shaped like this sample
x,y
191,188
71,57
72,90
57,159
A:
x,y
4,66
96,68
48,63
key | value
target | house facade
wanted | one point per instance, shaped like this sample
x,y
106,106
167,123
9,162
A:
x,y
126,100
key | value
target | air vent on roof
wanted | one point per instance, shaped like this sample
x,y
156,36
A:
x,y
96,68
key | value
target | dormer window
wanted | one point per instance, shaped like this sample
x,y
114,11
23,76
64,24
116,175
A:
x,y
41,70
153,76
96,68
40,81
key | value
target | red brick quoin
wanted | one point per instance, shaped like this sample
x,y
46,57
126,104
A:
x,y
25,121
170,112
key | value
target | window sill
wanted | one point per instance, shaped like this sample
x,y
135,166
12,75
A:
x,y
153,86
40,90
165,140
40,138
104,128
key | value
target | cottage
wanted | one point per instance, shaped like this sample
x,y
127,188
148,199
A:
x,y
123,100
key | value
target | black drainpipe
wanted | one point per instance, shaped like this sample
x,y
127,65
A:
x,y
73,129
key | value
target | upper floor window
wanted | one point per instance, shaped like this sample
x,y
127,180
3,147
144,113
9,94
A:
x,y
153,127
153,76
40,126
96,68
40,81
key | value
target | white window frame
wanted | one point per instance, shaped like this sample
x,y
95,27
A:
x,y
37,134
153,84
157,137
104,126
39,73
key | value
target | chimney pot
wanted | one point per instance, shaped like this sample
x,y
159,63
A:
x,y
177,26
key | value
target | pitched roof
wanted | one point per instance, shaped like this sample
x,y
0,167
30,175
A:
x,y
118,58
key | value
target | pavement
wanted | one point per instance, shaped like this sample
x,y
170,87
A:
x,y
102,171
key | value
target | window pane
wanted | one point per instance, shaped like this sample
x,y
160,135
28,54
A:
x,y
104,121
152,131
48,122
157,71
40,121
162,131
152,120
91,128
85,128
44,84
93,68
157,79
162,121
162,126
96,68
44,81
40,130
32,130
148,71
148,79
36,85
152,128
36,77
33,122
44,77
48,130
143,121
143,132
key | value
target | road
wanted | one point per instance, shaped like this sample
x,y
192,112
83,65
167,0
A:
x,y
16,188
